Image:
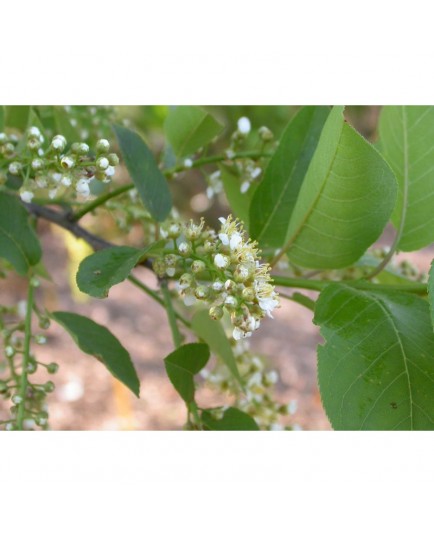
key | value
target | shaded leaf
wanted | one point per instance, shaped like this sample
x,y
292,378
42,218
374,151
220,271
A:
x,y
148,179
345,200
63,124
376,369
18,241
181,366
96,340
406,134
188,128
103,269
275,198
233,419
212,332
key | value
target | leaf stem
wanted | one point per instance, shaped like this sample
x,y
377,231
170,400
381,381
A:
x,y
101,200
312,284
171,315
154,295
26,355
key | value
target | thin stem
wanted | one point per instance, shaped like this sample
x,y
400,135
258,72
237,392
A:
x,y
101,200
299,298
155,297
171,315
26,355
416,288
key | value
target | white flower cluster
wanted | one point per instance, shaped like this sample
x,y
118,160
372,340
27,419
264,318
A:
x,y
54,168
258,398
223,270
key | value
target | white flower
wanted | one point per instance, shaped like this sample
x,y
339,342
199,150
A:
x,y
22,308
244,187
183,248
231,301
57,177
37,163
102,163
102,146
82,187
170,271
67,162
188,163
110,171
276,427
244,125
52,193
272,376
66,181
27,196
268,305
58,143
238,334
189,299
221,261
14,168
291,408
217,286
230,154
256,172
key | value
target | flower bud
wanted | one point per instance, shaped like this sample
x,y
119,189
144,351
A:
x,y
15,168
184,249
113,158
37,163
17,399
185,281
244,125
248,294
174,230
26,195
216,312
58,143
198,266
102,163
221,261
102,146
265,134
52,368
201,292
49,387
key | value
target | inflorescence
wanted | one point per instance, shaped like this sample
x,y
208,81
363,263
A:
x,y
56,168
220,269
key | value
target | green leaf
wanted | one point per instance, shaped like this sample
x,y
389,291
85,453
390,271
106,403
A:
x,y
18,241
233,419
212,332
96,340
102,270
63,124
188,128
275,198
406,134
148,179
2,118
345,200
431,291
181,366
376,369
239,202
17,117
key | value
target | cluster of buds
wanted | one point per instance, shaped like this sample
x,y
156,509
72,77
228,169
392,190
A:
x,y
220,269
56,169
34,400
258,398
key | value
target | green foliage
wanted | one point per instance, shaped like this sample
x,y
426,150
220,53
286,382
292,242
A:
x,y
96,340
376,370
17,116
148,179
181,366
2,118
18,241
406,134
188,128
214,335
102,270
345,200
275,198
238,201
63,124
233,419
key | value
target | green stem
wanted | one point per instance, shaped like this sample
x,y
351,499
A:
x,y
26,355
171,315
101,200
168,172
299,298
416,288
155,297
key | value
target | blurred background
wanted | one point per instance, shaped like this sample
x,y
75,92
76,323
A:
x,y
86,396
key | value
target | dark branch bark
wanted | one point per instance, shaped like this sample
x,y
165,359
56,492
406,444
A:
x,y
63,219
